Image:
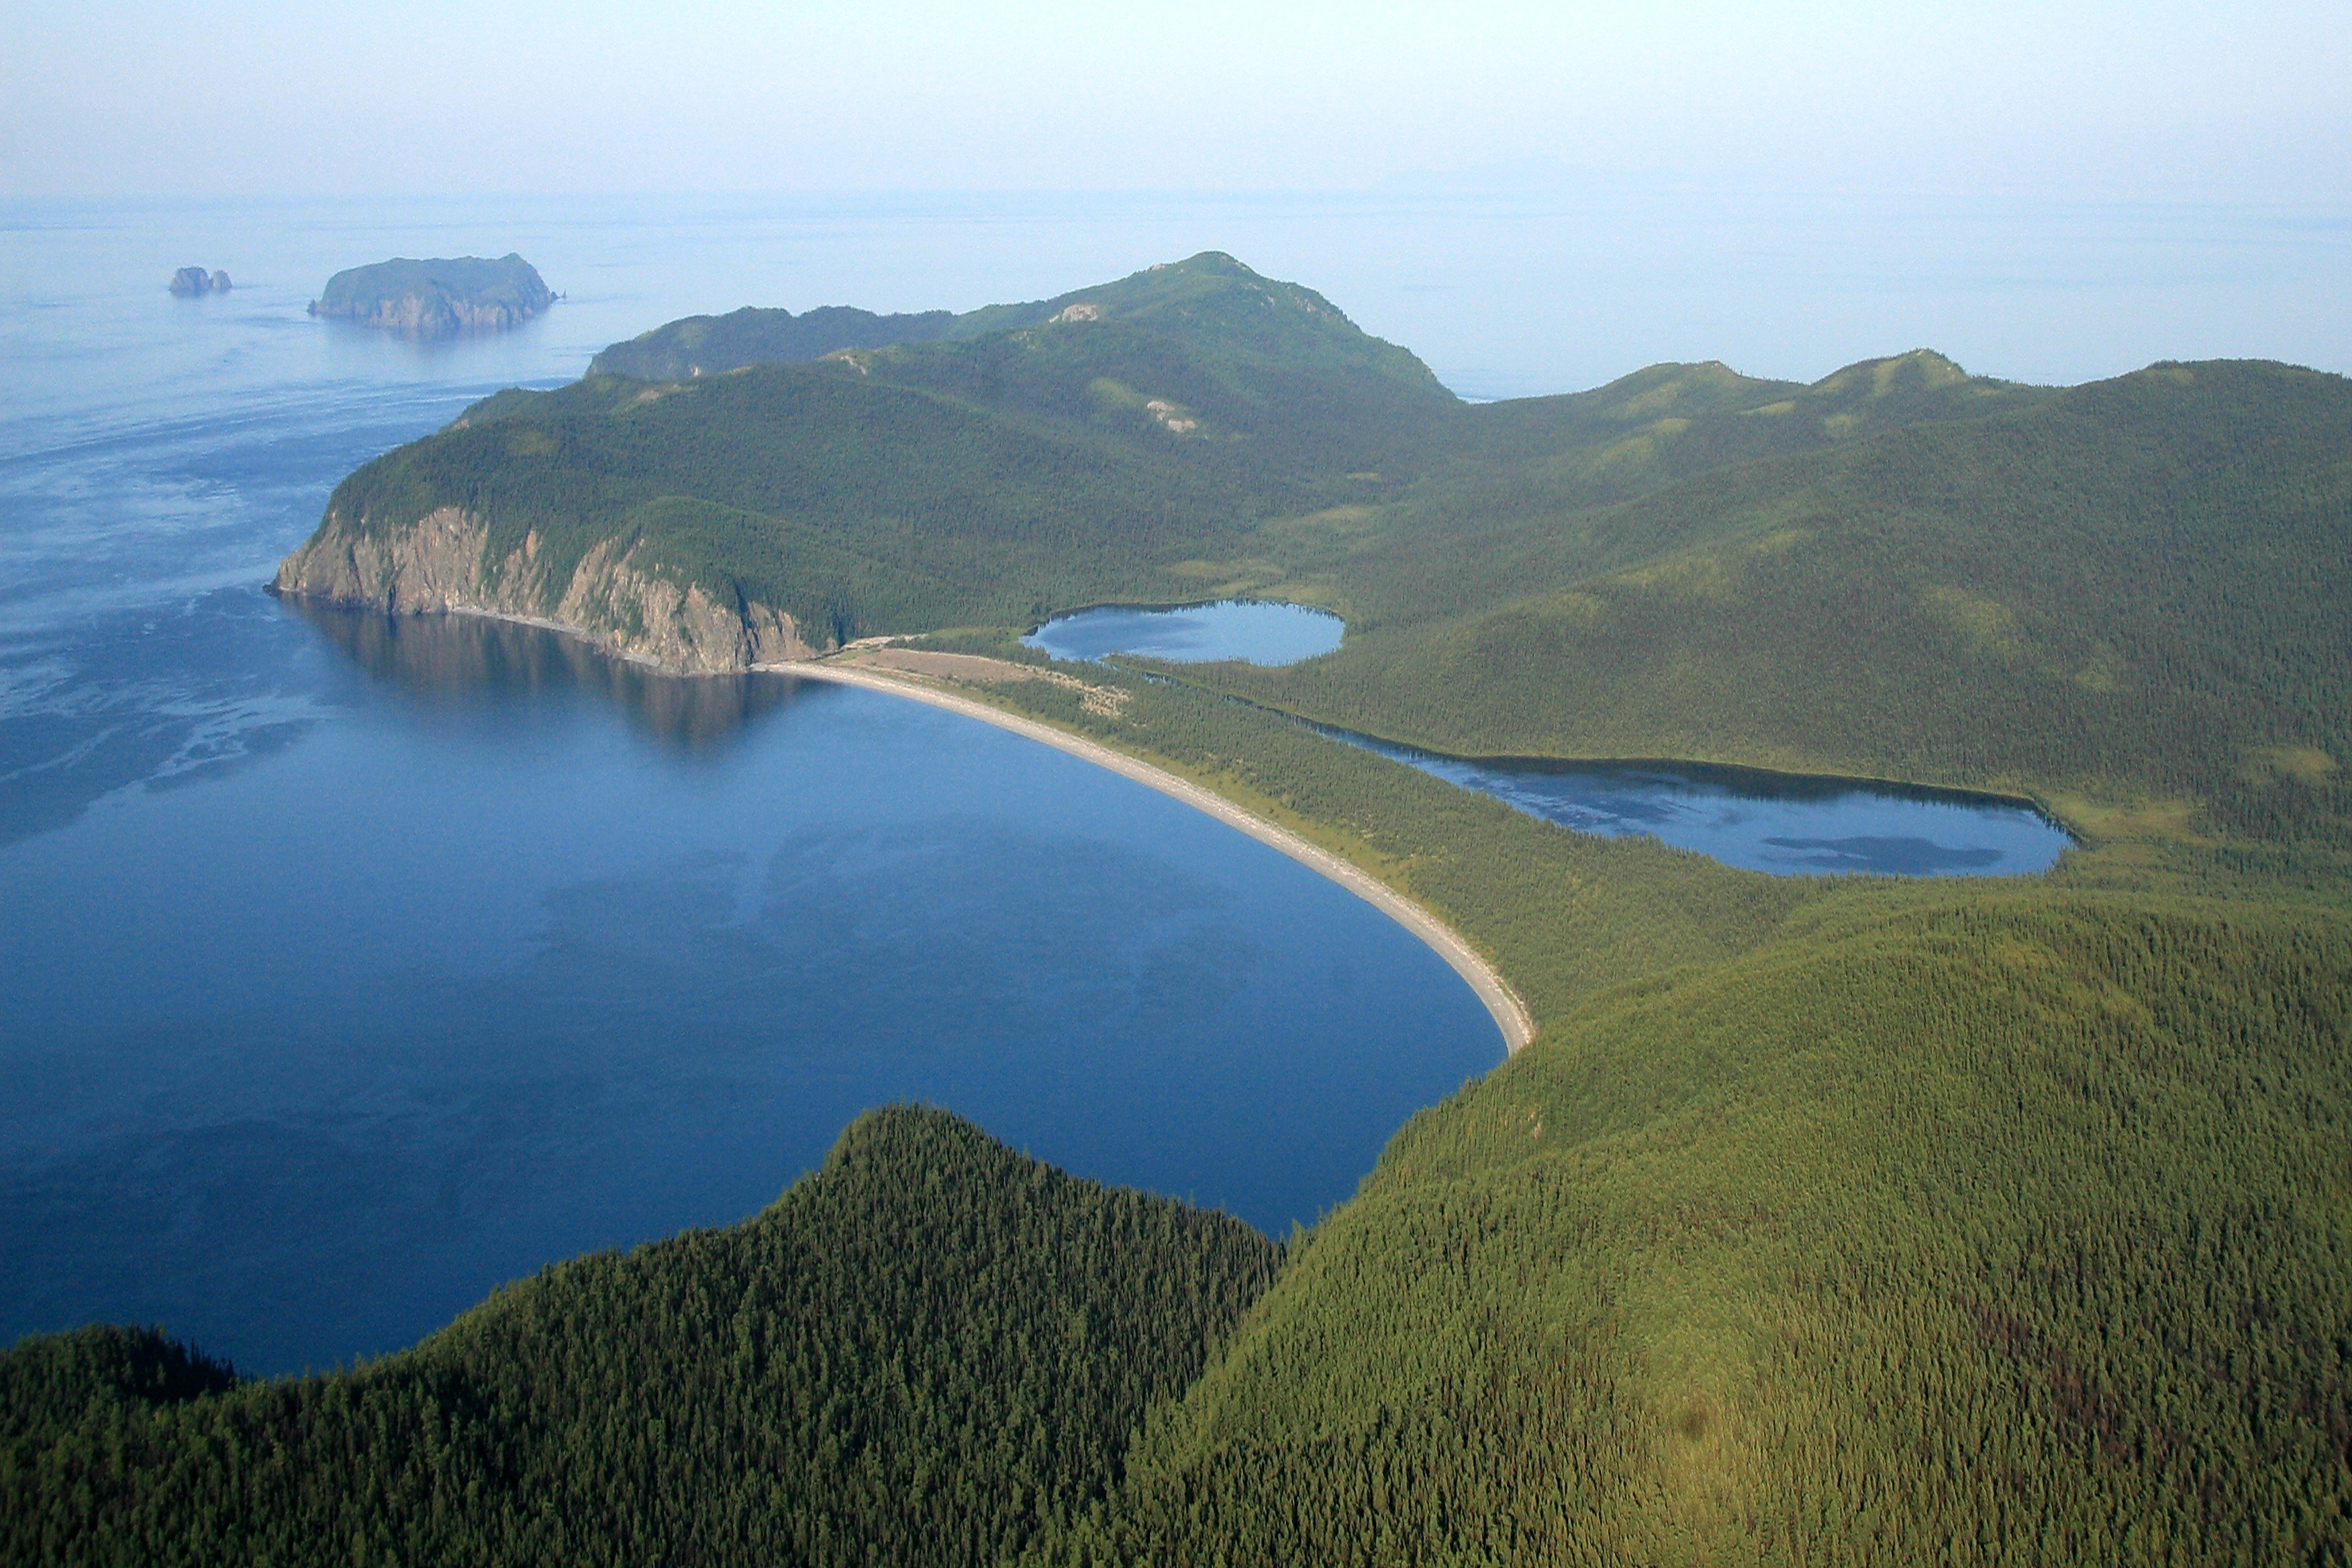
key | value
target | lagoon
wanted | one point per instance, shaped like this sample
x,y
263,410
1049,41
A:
x,y
1244,629
1786,824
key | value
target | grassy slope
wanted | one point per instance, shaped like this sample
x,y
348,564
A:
x,y
919,1354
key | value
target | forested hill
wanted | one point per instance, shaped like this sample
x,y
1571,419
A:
x,y
712,345
2133,599
922,1353
1083,456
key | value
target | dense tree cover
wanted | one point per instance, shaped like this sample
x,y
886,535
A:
x,y
1981,1228
1826,1219
919,1354
2135,592
712,345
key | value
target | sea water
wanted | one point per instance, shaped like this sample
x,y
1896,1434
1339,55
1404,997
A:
x,y
353,965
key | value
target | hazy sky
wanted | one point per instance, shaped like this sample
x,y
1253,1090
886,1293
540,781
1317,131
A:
x,y
2146,100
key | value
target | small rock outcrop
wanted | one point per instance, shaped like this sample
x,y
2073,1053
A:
x,y
450,294
193,282
445,562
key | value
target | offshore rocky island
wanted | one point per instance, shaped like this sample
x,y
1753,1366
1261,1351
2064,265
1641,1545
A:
x,y
454,294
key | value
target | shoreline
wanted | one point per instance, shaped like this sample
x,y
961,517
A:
x,y
1510,1014
1495,993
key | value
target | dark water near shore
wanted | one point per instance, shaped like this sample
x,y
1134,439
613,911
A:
x,y
352,966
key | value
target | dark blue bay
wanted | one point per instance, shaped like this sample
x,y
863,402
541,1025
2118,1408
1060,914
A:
x,y
352,966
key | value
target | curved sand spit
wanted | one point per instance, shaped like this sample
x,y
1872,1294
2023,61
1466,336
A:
x,y
1510,1014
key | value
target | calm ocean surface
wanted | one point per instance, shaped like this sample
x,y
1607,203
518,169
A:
x,y
350,968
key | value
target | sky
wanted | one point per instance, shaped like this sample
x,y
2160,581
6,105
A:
x,y
1534,197
2148,101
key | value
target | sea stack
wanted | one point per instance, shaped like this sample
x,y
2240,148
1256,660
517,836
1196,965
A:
x,y
194,282
451,294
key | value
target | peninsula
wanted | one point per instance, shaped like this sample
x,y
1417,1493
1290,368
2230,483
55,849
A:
x,y
1822,1219
464,293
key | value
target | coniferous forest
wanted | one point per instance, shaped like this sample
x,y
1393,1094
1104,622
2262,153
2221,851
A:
x,y
1825,1219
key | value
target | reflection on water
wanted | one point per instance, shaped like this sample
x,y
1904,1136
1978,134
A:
x,y
1786,824
467,659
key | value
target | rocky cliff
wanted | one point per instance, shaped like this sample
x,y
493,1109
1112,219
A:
x,y
445,563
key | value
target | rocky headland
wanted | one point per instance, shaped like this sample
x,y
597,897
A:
x,y
450,294
446,562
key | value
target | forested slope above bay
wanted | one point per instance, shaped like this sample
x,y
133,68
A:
x,y
2003,1228
1826,1219
919,1354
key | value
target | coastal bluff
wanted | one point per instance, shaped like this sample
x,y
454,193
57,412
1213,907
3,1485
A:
x,y
449,294
447,561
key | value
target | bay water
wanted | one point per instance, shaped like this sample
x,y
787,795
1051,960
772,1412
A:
x,y
350,967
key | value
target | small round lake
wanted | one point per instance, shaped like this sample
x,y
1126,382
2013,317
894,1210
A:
x,y
1781,823
1244,629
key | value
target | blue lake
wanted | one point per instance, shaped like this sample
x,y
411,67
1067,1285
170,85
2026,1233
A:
x,y
353,965
1244,629
1780,823
1765,822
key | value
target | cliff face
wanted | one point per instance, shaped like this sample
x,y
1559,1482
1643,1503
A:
x,y
424,313
443,563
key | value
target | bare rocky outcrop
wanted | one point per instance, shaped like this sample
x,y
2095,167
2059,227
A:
x,y
442,563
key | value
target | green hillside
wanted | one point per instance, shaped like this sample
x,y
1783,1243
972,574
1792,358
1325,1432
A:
x,y
712,345
2132,599
921,1353
1826,1219
1976,1229
1847,1220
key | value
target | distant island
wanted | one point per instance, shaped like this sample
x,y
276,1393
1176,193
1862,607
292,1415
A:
x,y
451,294
194,282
